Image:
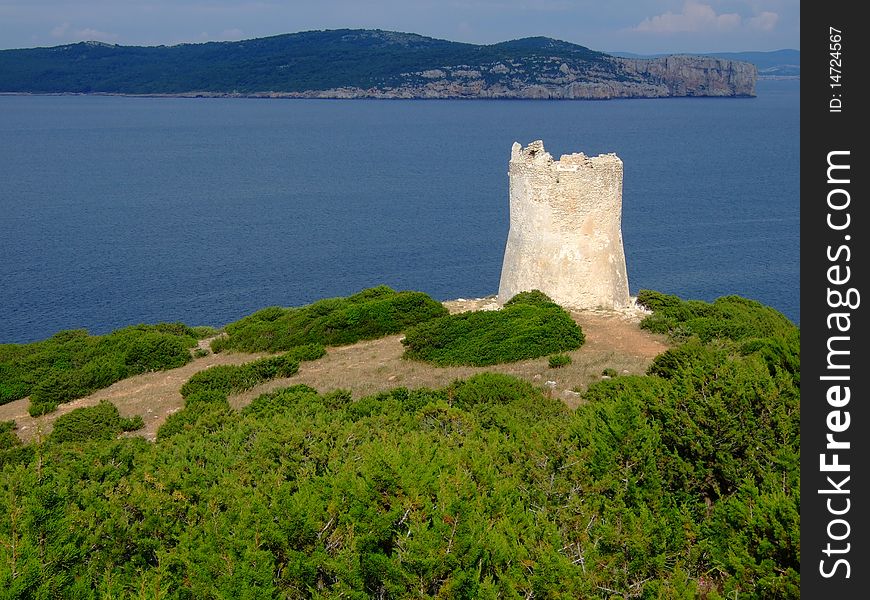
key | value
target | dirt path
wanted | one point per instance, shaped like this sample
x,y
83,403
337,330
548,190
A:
x,y
613,340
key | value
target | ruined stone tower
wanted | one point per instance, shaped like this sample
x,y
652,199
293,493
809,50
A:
x,y
565,234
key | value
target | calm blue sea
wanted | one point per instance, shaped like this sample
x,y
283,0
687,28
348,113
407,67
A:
x,y
116,211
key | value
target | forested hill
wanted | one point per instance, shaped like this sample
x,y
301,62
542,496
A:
x,y
368,63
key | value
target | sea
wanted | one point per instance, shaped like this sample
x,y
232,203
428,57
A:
x,y
117,210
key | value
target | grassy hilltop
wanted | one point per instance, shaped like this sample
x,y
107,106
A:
x,y
680,482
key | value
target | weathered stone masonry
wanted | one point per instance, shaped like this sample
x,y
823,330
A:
x,y
565,234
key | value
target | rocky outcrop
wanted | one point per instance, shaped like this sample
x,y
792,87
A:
x,y
695,75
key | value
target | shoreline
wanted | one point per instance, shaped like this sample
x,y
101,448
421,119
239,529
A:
x,y
328,95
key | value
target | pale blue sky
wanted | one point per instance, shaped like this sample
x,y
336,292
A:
x,y
642,26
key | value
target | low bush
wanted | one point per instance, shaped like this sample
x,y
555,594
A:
x,y
17,455
100,422
231,379
676,360
279,401
558,360
156,351
8,439
489,388
533,297
529,326
210,413
134,423
205,397
729,317
58,387
11,390
370,314
37,409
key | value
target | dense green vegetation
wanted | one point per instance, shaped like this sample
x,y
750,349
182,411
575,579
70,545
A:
x,y
72,364
8,439
682,483
369,314
100,422
11,449
730,317
528,326
312,60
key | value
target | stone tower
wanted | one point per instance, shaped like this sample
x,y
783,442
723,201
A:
x,y
565,234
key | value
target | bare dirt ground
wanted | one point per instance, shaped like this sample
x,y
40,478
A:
x,y
613,340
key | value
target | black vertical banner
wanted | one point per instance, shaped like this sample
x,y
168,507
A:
x,y
835,422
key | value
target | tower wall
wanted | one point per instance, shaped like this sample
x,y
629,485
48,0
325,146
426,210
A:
x,y
565,234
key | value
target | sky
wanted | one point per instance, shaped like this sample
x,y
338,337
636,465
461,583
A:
x,y
640,26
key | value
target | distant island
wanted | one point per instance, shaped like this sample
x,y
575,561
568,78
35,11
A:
x,y
369,64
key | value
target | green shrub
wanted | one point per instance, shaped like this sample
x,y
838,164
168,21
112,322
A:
x,y
279,401
8,439
155,351
729,317
609,372
690,355
134,423
219,344
780,354
226,379
520,330
37,409
11,390
305,352
100,422
200,353
210,414
204,396
58,387
657,301
755,536
172,329
558,360
533,297
231,379
488,388
102,371
17,455
369,314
